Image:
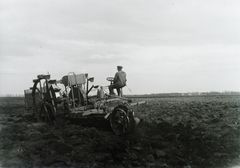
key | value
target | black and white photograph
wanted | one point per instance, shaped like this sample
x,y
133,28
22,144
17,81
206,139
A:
x,y
120,83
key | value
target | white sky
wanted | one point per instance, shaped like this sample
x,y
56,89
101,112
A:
x,y
163,46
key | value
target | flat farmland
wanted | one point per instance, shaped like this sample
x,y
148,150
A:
x,y
173,132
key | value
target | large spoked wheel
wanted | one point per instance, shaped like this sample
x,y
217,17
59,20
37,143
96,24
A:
x,y
43,103
119,120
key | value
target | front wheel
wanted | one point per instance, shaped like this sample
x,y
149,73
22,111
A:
x,y
44,107
121,120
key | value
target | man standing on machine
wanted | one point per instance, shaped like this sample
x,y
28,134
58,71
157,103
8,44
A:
x,y
118,82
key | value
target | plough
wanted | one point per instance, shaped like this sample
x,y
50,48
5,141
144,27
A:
x,y
71,96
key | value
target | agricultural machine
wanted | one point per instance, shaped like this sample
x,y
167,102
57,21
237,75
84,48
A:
x,y
71,97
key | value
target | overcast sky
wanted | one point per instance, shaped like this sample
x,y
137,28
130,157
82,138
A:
x,y
163,45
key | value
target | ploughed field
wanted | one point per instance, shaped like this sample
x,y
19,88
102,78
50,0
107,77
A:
x,y
173,132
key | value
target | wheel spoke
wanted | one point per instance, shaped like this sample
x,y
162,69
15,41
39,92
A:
x,y
43,106
117,125
38,105
39,90
119,121
38,99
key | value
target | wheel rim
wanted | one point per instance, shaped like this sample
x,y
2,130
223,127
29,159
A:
x,y
43,105
119,121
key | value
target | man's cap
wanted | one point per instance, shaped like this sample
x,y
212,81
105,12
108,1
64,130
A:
x,y
119,66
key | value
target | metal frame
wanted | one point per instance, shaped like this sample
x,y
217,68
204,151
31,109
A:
x,y
107,106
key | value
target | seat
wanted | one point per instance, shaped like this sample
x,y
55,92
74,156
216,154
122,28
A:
x,y
120,91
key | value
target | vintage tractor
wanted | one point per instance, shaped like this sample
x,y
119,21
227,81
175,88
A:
x,y
70,97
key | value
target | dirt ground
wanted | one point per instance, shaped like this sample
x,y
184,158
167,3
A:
x,y
173,132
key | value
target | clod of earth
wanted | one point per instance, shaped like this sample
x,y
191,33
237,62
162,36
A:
x,y
173,132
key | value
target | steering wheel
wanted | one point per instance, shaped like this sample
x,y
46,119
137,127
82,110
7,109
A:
x,y
110,79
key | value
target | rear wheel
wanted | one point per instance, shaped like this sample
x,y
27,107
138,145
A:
x,y
119,120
